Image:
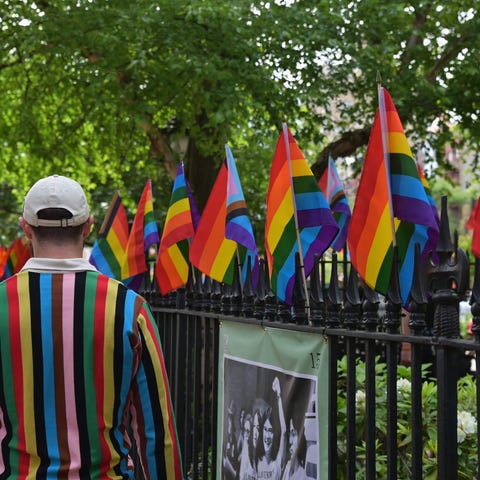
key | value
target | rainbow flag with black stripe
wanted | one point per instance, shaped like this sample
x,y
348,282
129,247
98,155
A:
x,y
108,251
297,213
238,226
332,187
391,200
172,267
210,251
143,234
225,229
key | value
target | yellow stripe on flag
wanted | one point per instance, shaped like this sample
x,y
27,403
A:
x,y
380,245
223,258
282,216
399,144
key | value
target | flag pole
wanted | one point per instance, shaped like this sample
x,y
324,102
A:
x,y
386,150
297,230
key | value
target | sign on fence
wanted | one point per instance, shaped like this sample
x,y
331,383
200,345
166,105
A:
x,y
273,413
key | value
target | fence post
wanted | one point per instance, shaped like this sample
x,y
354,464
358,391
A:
x,y
334,307
259,302
248,294
475,303
352,313
237,296
317,305
418,309
370,321
446,279
393,309
299,310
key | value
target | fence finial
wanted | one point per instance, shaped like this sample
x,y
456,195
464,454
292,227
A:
x,y
393,299
248,293
418,296
446,281
352,304
317,304
299,310
334,296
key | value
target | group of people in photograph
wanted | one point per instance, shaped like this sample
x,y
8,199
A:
x,y
268,445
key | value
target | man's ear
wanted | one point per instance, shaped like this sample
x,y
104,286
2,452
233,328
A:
x,y
27,228
88,227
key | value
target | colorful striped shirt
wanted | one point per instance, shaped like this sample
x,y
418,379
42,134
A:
x,y
82,378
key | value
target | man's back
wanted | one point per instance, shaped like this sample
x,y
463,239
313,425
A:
x,y
80,355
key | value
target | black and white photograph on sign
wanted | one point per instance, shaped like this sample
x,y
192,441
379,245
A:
x,y
270,426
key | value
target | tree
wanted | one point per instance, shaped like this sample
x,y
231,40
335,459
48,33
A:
x,y
113,92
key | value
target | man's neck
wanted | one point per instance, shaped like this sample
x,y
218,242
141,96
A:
x,y
57,251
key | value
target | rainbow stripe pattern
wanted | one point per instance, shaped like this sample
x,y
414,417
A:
x,y
108,251
297,212
75,362
370,238
210,251
238,226
331,186
143,234
172,267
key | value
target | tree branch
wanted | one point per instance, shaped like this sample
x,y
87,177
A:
x,y
18,61
343,147
160,148
415,37
447,56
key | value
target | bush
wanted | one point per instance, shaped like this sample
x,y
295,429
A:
x,y
466,430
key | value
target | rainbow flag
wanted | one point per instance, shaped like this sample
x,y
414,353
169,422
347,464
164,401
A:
x,y
391,200
14,258
143,234
473,224
171,269
297,212
3,260
332,188
432,237
224,235
108,251
210,251
238,226
428,192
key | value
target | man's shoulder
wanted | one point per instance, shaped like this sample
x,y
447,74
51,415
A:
x,y
91,274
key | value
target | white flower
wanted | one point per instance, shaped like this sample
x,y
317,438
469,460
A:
x,y
403,387
360,399
466,425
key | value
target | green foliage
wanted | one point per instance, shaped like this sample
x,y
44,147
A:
x,y
114,93
466,430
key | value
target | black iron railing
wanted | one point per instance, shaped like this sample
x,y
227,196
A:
x,y
365,334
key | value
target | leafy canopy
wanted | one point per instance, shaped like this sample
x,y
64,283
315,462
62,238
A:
x,y
114,92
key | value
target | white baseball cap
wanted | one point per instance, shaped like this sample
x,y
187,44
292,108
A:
x,y
56,191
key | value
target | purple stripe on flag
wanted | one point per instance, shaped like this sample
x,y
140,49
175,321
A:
x,y
315,217
414,211
241,235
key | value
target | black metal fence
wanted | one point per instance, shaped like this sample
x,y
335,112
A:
x,y
367,339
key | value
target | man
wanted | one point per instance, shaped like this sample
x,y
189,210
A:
x,y
81,366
